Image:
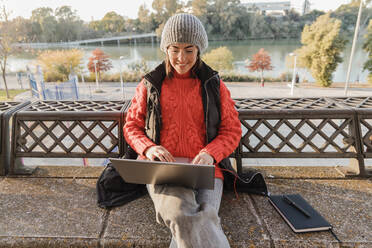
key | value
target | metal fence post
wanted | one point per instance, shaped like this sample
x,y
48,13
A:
x,y
238,158
16,165
359,146
6,120
356,165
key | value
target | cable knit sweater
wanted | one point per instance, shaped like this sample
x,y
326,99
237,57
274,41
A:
x,y
183,131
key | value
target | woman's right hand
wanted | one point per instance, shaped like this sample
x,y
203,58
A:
x,y
159,153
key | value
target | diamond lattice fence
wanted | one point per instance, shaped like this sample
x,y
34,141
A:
x,y
70,129
295,137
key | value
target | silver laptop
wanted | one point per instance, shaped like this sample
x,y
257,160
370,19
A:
x,y
155,172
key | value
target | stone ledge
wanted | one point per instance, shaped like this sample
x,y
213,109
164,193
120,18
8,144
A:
x,y
60,208
62,212
299,172
294,172
47,242
64,172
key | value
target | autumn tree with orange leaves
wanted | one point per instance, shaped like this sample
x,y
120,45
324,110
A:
x,y
261,62
102,60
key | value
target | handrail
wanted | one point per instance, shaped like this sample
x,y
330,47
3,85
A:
x,y
306,128
67,129
272,128
7,110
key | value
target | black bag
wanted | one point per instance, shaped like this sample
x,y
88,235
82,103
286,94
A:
x,y
113,191
251,182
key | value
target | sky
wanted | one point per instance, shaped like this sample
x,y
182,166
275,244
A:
x,y
88,10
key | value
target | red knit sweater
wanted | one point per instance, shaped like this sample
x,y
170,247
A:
x,y
183,127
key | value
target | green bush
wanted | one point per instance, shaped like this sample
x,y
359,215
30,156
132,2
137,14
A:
x,y
369,78
286,77
220,59
235,77
137,77
115,77
58,64
139,67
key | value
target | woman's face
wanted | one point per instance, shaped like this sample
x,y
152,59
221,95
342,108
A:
x,y
182,56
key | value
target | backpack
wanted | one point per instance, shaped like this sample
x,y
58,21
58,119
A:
x,y
113,191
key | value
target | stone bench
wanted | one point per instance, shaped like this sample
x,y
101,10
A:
x,y
56,207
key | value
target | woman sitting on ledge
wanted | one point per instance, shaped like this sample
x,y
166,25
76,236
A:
x,y
183,109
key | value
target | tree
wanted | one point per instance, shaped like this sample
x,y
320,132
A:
x,y
96,25
231,19
261,62
322,46
21,27
347,14
102,60
7,37
145,19
199,9
113,22
259,27
163,10
227,19
69,24
65,13
45,24
219,59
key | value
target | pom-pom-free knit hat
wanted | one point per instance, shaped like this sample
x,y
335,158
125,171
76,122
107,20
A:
x,y
184,28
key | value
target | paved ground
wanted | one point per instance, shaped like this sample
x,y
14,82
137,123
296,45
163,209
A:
x,y
56,207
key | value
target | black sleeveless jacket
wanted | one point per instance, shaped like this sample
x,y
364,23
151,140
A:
x,y
250,181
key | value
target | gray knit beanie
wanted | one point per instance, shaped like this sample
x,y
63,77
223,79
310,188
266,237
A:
x,y
184,28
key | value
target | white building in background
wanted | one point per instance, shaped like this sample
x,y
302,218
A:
x,y
306,7
278,8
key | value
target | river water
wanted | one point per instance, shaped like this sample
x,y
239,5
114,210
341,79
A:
x,y
241,50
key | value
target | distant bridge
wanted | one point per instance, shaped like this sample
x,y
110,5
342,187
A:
x,y
131,38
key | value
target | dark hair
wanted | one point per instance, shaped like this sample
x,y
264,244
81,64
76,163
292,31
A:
x,y
169,68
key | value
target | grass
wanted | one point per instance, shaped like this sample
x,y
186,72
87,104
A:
x,y
12,94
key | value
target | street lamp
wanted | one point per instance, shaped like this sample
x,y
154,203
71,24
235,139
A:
x,y
95,70
353,47
121,77
294,72
82,77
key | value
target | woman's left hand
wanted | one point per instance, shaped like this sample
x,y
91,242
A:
x,y
203,158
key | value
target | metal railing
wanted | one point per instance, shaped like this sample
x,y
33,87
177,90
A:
x,y
67,129
306,128
272,128
7,109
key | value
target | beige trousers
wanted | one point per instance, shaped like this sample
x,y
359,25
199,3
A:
x,y
191,215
